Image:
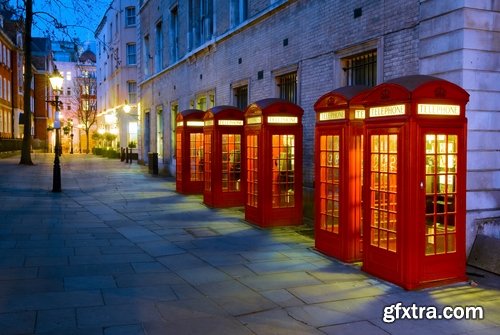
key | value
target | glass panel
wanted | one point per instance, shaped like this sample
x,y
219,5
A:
x,y
383,191
196,156
252,171
231,162
178,161
208,162
330,174
440,179
440,244
451,243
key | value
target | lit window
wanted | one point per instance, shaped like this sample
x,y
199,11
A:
x,y
68,75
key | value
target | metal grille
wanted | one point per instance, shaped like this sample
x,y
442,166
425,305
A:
x,y
362,69
287,84
241,97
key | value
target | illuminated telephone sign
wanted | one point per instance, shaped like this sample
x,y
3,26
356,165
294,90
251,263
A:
x,y
429,109
332,115
282,119
359,114
254,120
195,123
209,123
387,111
230,122
180,124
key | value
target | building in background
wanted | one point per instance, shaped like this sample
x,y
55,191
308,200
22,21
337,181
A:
x,y
43,111
117,73
201,53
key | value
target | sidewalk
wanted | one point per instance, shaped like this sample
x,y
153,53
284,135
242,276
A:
x,y
118,252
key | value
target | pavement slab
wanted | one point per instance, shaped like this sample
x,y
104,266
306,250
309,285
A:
x,y
120,252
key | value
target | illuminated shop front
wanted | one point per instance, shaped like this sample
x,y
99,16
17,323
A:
x,y
189,152
273,135
414,177
338,173
224,142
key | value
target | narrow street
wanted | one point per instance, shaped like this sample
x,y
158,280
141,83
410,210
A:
x,y
119,252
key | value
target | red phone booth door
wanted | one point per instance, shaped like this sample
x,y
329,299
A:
x,y
443,227
178,162
231,162
330,182
196,157
283,159
381,255
207,156
252,154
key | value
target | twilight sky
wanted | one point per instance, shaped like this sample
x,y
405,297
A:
x,y
81,17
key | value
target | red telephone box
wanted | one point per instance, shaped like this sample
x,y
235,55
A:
x,y
338,173
414,177
189,152
223,134
273,135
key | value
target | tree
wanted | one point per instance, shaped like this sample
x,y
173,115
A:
x,y
84,96
23,10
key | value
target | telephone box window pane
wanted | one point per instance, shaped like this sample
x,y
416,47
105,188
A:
x,y
231,162
178,162
283,158
208,162
440,187
196,156
329,181
383,190
252,170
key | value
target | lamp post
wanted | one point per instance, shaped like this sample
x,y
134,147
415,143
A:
x,y
56,81
70,121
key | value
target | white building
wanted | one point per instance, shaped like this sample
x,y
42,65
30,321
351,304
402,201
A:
x,y
117,71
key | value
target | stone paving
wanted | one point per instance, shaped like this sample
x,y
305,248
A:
x,y
119,252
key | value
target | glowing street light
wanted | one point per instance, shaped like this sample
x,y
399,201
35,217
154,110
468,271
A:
x,y
56,81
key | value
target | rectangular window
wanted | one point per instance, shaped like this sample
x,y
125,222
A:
x,y
207,156
329,182
131,54
130,16
147,55
132,92
159,47
361,69
231,162
238,11
196,156
252,170
441,157
241,97
174,34
201,22
283,154
383,191
174,109
287,85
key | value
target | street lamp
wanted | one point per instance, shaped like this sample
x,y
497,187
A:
x,y
70,121
56,81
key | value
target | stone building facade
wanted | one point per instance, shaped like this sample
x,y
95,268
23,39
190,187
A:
x,y
201,53
116,71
